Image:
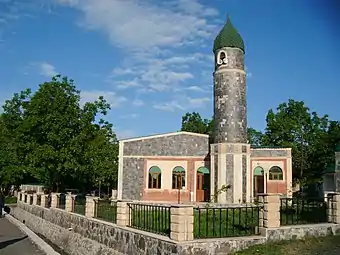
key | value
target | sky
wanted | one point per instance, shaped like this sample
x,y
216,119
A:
x,y
152,60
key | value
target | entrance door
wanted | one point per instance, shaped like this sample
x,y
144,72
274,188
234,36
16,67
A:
x,y
202,184
258,181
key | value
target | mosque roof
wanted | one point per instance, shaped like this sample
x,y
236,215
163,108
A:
x,y
228,37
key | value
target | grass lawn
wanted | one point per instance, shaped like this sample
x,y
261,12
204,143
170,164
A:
x,y
312,246
10,200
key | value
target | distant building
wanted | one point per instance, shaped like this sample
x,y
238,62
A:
x,y
185,167
331,176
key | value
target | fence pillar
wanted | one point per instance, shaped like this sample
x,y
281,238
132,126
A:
x,y
182,222
30,199
271,210
123,212
35,198
55,200
69,202
336,208
90,206
44,200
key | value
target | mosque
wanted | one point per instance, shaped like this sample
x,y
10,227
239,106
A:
x,y
187,167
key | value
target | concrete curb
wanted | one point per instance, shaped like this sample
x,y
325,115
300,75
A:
x,y
36,239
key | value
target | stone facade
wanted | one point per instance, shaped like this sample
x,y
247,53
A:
x,y
134,154
174,144
270,152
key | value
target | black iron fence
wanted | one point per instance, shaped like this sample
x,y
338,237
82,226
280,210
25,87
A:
x,y
212,222
303,210
38,199
79,204
106,210
150,218
61,201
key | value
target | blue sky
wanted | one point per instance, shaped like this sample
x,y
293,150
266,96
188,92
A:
x,y
152,59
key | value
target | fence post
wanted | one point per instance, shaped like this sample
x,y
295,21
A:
x,y
261,210
90,206
69,202
271,210
55,200
30,199
123,217
35,199
44,200
336,208
182,222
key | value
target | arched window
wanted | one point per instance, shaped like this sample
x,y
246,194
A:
x,y
155,175
178,177
275,173
258,171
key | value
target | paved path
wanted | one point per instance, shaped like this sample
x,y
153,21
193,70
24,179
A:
x,y
14,242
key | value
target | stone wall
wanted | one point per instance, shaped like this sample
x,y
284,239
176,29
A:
x,y
181,144
79,235
133,178
270,152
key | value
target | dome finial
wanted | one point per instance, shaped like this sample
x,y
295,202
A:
x,y
228,37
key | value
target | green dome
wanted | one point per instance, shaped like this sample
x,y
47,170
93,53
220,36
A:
x,y
228,37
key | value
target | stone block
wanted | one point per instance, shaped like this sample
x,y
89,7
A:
x,y
35,198
181,237
44,200
272,199
55,200
271,223
182,228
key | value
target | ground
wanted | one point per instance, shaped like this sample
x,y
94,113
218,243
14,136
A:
x,y
312,246
14,242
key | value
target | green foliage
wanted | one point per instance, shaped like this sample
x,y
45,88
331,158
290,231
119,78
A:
x,y
49,137
313,138
193,122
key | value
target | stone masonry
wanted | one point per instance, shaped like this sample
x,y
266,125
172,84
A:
x,y
230,106
133,153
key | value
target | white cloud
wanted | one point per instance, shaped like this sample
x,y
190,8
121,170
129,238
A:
x,y
138,102
184,103
47,69
141,25
152,34
111,97
130,116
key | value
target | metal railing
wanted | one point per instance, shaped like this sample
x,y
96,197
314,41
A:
x,y
150,218
106,210
215,222
62,201
79,204
303,210
38,199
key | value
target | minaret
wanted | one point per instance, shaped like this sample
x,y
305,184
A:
x,y
230,153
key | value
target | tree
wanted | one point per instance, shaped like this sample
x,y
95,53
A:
x,y
294,126
193,122
12,158
57,141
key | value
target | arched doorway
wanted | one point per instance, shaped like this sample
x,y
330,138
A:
x,y
258,181
202,184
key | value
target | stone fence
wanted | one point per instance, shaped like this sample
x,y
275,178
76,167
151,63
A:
x,y
118,238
